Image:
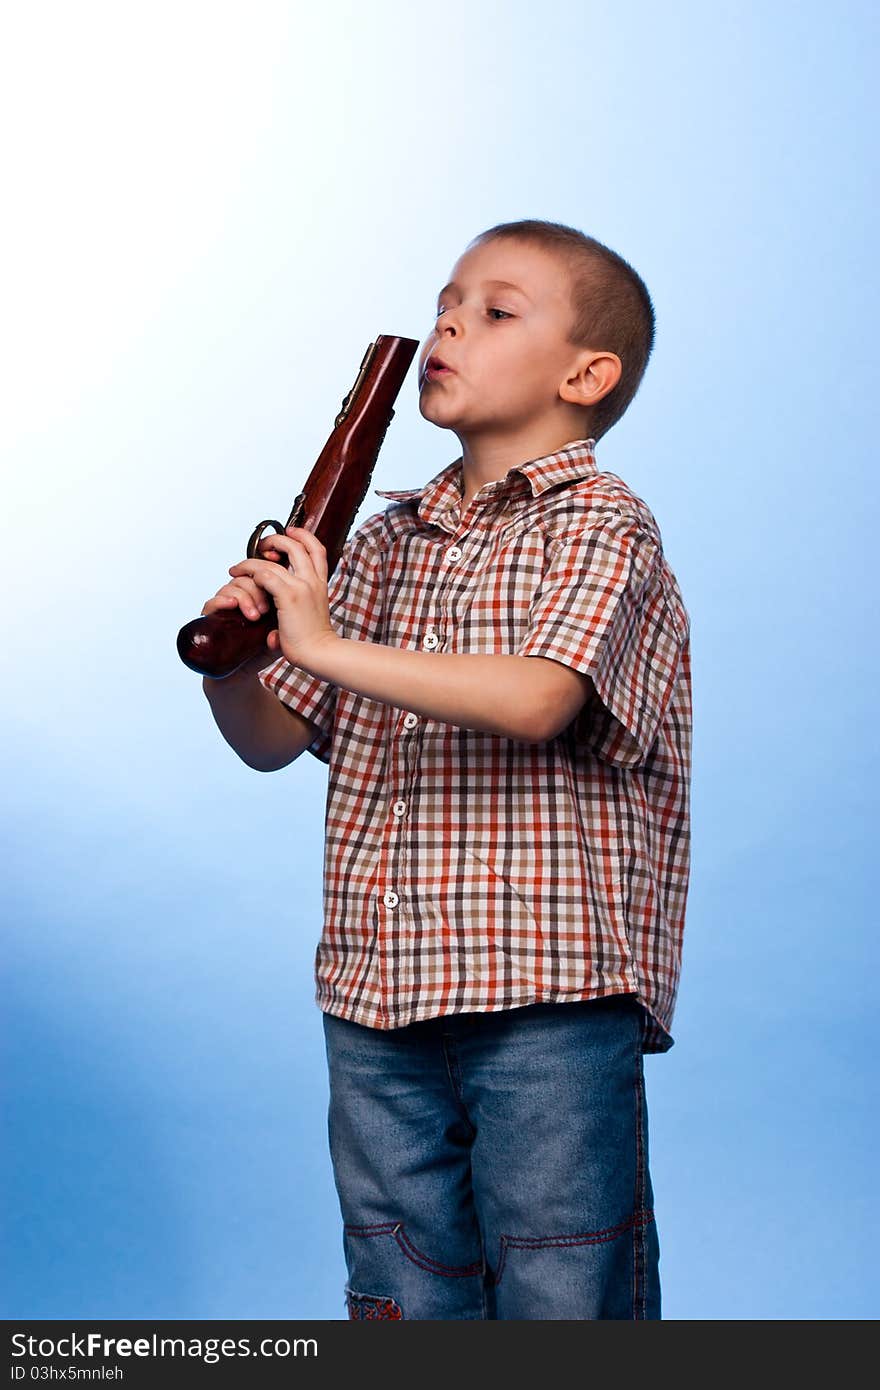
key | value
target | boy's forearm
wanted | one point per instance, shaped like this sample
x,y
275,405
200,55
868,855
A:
x,y
493,694
261,730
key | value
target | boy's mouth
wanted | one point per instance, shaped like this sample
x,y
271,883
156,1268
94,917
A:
x,y
435,367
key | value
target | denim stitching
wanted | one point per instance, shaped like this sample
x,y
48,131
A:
x,y
639,1218
453,1071
412,1252
371,1305
639,1237
433,1266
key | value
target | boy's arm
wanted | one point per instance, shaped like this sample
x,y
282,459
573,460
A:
x,y
266,734
521,697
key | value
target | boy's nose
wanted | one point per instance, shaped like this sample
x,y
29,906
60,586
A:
x,y
448,319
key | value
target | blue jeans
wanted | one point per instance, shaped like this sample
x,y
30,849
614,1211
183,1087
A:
x,y
495,1165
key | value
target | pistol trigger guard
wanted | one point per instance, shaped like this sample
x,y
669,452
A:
x,y
257,536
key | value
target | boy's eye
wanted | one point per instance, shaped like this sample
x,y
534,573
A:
x,y
440,310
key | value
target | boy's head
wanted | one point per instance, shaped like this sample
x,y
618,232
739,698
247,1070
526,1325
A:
x,y
564,341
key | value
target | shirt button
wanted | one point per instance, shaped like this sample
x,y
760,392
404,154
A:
x,y
431,641
410,721
390,899
453,553
399,807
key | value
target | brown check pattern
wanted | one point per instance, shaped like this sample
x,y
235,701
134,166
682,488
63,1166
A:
x,y
467,871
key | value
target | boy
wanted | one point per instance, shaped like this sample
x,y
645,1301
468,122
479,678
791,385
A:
x,y
499,679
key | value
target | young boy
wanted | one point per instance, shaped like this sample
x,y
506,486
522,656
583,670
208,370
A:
x,y
499,679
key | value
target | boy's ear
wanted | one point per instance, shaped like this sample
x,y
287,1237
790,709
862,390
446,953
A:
x,y
594,375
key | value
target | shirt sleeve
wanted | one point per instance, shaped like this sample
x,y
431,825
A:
x,y
308,695
602,609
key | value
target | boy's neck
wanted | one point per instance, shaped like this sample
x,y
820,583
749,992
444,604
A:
x,y
487,459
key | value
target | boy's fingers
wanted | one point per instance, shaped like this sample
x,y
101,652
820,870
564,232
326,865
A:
x,y
273,578
309,540
257,594
293,545
250,597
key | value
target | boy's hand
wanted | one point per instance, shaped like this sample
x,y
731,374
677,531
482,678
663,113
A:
x,y
300,593
252,601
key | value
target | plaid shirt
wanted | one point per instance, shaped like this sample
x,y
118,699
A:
x,y
468,871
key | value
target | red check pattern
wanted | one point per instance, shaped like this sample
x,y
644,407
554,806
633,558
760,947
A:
x,y
467,871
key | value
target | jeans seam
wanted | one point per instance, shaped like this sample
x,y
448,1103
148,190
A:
x,y
639,1237
453,1071
412,1251
638,1218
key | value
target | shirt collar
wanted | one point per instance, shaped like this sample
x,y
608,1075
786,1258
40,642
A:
x,y
444,491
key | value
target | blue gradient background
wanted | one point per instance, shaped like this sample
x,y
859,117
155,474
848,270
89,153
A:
x,y
211,210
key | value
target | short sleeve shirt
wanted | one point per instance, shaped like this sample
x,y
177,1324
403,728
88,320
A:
x,y
467,871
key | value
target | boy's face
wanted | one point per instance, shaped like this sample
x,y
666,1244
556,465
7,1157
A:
x,y
507,346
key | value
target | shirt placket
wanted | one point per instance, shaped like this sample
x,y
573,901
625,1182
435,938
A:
x,y
397,906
